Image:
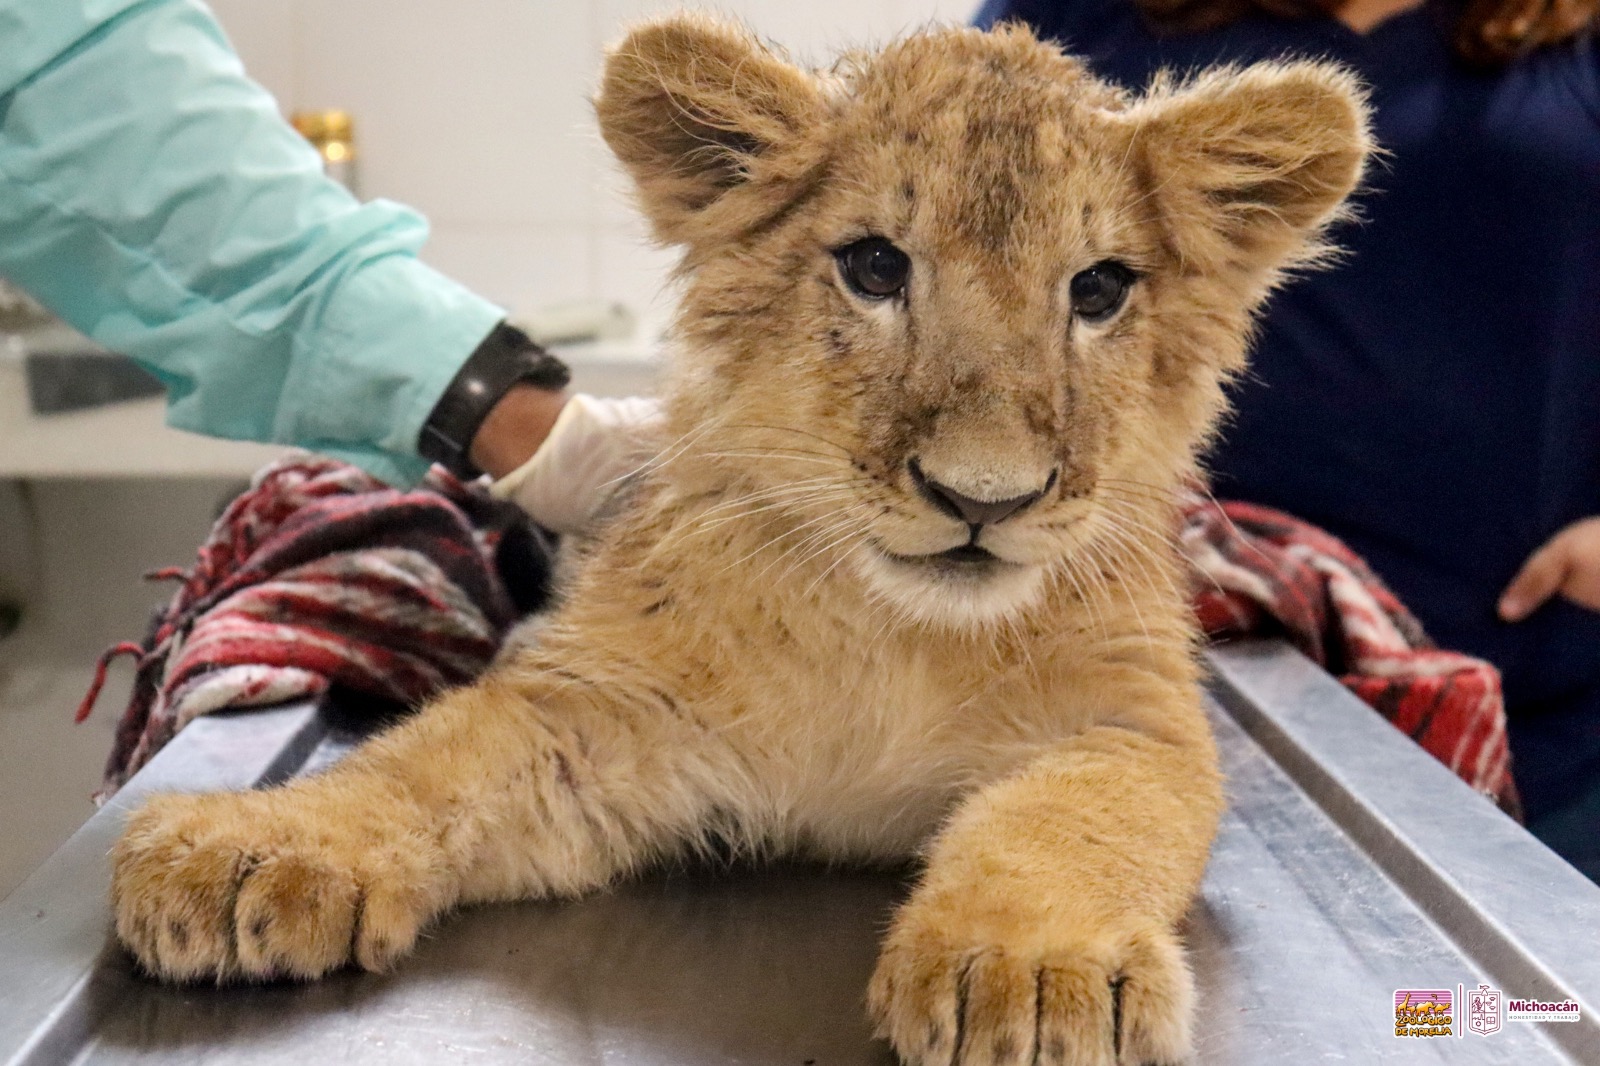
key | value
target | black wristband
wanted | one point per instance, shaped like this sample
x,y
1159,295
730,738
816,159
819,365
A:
x,y
506,357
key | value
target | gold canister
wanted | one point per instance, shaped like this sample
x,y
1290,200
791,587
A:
x,y
333,135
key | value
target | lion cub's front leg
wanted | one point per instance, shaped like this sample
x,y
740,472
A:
x,y
525,784
1043,929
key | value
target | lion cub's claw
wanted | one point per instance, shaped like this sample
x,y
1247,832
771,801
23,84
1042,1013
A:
x,y
986,1006
219,888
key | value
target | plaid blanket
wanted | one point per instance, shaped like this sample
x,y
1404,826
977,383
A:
x,y
320,576
1261,571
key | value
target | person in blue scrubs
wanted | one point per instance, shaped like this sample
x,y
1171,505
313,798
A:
x,y
152,196
1434,399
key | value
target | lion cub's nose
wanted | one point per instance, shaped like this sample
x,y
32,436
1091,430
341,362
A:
x,y
972,511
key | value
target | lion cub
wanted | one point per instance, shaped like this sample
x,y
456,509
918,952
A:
x,y
957,318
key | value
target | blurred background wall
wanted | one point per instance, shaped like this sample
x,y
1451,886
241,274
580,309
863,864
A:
x,y
477,113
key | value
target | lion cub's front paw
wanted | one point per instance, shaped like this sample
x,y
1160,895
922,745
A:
x,y
253,886
945,1003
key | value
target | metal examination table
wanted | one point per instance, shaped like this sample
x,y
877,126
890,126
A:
x,y
1350,865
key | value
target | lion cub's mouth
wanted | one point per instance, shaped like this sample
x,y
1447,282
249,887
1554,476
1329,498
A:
x,y
962,586
967,560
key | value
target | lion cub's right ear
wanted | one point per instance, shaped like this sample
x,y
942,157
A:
x,y
695,108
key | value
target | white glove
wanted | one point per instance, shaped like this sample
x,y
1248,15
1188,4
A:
x,y
593,446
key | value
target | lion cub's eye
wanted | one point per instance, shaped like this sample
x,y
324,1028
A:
x,y
1099,292
874,268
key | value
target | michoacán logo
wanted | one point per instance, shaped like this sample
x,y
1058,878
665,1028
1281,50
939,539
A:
x,y
1538,1010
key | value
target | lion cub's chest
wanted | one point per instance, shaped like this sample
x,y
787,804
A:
x,y
864,755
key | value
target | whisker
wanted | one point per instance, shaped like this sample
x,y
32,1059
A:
x,y
792,429
845,528
1114,581
1123,529
763,546
830,524
818,496
791,488
1100,552
794,454
824,575
661,458
1068,572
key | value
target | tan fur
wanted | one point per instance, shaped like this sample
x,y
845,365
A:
x,y
738,658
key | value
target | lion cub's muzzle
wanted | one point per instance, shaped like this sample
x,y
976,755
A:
x,y
990,561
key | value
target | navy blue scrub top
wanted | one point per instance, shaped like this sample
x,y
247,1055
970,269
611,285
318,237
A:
x,y
1435,399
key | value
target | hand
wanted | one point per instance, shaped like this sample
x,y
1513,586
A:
x,y
514,429
1569,564
594,446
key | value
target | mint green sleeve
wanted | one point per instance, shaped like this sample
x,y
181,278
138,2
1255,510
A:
x,y
152,196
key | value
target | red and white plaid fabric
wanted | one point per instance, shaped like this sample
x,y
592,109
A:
x,y
320,575
1260,571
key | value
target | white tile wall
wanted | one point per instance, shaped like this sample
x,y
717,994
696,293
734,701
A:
x,y
264,33
476,113
517,265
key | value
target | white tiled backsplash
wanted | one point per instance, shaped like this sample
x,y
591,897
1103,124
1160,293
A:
x,y
476,112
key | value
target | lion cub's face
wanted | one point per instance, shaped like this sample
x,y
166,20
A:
x,y
957,311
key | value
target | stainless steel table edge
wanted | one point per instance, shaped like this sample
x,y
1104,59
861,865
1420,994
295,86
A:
x,y
55,927
1515,908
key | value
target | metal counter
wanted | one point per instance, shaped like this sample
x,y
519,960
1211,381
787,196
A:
x,y
1350,864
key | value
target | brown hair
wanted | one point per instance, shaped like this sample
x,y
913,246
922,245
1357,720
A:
x,y
1488,33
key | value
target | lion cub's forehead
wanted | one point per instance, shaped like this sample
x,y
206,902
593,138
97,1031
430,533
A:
x,y
996,134
986,67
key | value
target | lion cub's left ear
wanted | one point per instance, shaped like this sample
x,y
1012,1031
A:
x,y
1249,165
695,108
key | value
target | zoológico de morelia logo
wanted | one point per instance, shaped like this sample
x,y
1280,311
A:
x,y
1424,1012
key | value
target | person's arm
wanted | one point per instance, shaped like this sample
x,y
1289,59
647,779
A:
x,y
153,197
